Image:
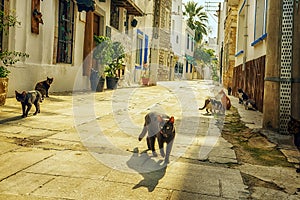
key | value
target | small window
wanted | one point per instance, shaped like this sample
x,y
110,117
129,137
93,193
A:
x,y
173,25
139,48
65,31
114,15
167,20
188,42
177,39
1,31
192,46
260,18
186,67
241,30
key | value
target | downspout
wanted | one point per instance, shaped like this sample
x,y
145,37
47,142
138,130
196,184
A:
x,y
245,36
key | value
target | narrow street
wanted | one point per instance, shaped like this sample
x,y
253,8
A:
x,y
85,146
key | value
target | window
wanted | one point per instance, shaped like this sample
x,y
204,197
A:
x,y
167,22
260,18
241,29
114,15
173,26
139,48
192,46
65,31
127,23
187,67
188,41
177,39
146,49
1,31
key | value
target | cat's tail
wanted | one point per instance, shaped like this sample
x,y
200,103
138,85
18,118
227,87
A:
x,y
205,104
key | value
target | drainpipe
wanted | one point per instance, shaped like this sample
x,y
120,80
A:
x,y
245,36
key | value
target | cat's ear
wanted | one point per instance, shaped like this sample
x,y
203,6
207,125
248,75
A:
x,y
172,120
16,92
292,117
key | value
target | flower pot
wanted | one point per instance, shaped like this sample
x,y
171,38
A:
x,y
145,81
3,90
112,82
97,82
100,85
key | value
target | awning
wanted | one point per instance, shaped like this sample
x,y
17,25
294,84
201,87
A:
x,y
130,6
85,5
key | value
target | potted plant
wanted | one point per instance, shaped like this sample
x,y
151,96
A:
x,y
102,55
118,54
8,58
146,74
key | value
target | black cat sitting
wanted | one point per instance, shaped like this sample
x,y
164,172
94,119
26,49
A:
x,y
27,99
43,87
294,129
242,96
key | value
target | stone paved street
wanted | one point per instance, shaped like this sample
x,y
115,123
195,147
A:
x,y
85,146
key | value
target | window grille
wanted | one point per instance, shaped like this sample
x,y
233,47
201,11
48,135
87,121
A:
x,y
65,31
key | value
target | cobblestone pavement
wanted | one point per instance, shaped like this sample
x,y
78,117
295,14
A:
x,y
84,146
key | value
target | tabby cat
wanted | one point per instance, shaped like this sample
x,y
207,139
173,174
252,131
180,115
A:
x,y
44,86
213,106
225,100
166,135
27,99
207,106
294,128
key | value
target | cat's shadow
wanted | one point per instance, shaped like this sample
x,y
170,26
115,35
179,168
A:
x,y
11,119
151,170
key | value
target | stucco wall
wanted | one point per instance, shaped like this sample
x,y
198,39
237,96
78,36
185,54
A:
x,y
41,48
251,52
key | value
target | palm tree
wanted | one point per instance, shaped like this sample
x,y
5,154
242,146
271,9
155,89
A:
x,y
197,19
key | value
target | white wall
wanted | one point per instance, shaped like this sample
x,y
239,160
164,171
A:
x,y
251,52
176,27
40,47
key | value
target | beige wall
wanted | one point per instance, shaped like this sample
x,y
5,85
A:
x,y
40,47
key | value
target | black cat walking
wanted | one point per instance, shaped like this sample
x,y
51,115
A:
x,y
27,99
153,123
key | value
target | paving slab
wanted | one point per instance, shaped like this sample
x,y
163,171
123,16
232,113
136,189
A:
x,y
283,177
21,159
24,183
70,164
73,188
267,193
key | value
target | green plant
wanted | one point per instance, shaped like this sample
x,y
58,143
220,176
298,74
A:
x,y
103,51
118,54
109,55
8,58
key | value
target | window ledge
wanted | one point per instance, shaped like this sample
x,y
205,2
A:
x,y
258,40
239,53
